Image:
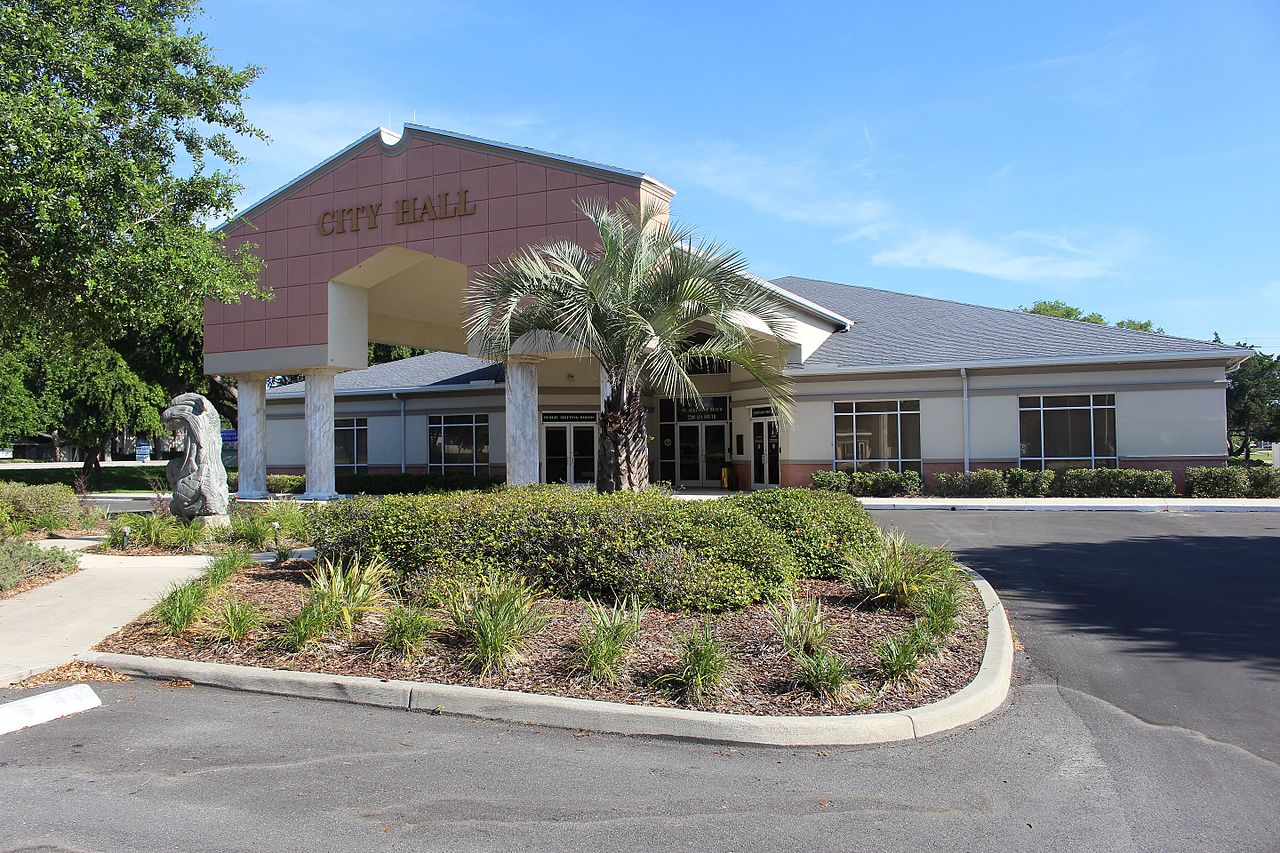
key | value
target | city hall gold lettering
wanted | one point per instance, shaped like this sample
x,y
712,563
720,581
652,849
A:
x,y
407,210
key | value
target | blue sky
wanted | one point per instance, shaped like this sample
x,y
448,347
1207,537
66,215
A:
x,y
1124,157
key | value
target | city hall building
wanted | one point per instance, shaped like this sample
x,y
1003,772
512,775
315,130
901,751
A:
x,y
379,242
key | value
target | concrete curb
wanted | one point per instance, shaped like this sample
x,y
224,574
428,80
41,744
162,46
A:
x,y
1076,504
981,696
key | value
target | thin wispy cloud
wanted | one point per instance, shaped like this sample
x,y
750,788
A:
x,y
1115,72
815,189
1019,257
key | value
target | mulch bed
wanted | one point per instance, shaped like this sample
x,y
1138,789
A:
x,y
36,581
762,681
73,673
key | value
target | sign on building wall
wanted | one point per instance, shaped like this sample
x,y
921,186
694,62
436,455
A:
x,y
569,417
443,206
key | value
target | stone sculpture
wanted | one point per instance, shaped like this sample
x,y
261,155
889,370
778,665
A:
x,y
198,480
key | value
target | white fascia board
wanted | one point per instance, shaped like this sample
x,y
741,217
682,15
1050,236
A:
x,y
841,322
403,389
1231,358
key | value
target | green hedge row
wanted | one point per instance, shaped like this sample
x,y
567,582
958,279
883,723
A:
x,y
1072,483
1234,482
685,555
375,484
876,484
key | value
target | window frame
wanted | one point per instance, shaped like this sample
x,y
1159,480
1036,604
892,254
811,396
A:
x,y
1042,461
442,421
899,463
359,428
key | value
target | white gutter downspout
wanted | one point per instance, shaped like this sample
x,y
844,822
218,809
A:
x,y
964,393
403,449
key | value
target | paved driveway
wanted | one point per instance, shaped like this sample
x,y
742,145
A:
x,y
1174,617
1070,763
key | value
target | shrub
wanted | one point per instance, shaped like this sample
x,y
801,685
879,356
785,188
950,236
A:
x,y
312,622
938,607
987,483
400,484
884,484
898,657
286,484
898,571
831,481
801,625
350,588
1228,482
823,529
703,667
237,619
950,484
251,529
406,631
1264,482
22,560
295,521
823,672
145,531
181,606
1113,483
683,554
496,621
1026,483
55,500
605,639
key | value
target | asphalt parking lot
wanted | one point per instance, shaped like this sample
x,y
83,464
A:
x,y
1142,718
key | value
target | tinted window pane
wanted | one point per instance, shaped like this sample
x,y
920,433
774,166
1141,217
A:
x,y
1067,400
844,408
878,406
1029,432
1104,432
910,436
1067,433
877,466
877,436
482,419
667,443
482,444
458,446
1028,402
844,436
910,405
343,449
1104,399
435,455
458,419
666,409
362,446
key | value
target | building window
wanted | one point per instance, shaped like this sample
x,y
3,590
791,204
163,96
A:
x,y
458,444
881,435
351,445
1067,431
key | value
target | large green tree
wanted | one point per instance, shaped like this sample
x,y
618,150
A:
x,y
1253,402
654,302
1058,308
116,144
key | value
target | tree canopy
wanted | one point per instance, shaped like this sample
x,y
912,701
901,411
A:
x,y
1058,308
115,149
1253,402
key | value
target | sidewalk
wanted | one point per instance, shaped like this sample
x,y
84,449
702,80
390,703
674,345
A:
x,y
49,625
1079,504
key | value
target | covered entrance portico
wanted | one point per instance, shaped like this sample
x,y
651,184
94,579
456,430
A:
x,y
378,244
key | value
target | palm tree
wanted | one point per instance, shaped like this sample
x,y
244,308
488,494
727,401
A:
x,y
652,302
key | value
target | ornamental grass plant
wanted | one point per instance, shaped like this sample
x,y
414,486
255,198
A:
x,y
406,631
895,571
604,640
703,668
495,621
350,588
801,625
823,673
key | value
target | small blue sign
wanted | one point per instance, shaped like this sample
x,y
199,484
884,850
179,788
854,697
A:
x,y
229,435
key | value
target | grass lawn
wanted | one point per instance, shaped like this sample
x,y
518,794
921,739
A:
x,y
116,478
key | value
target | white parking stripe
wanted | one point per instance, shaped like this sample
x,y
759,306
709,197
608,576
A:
x,y
34,710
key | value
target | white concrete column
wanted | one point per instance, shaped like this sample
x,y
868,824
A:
x,y
522,421
251,435
319,423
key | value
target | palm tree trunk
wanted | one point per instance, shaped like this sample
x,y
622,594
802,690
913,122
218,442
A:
x,y
623,461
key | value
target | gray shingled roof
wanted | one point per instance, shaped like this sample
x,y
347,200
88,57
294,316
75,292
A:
x,y
421,371
889,330
892,329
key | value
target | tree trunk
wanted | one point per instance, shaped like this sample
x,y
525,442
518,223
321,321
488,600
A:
x,y
624,446
92,466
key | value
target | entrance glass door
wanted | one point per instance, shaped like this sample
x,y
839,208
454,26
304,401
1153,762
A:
x,y
702,450
569,453
765,452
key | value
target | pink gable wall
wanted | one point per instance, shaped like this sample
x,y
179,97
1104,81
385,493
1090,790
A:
x,y
517,204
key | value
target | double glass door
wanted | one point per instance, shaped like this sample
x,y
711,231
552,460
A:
x,y
765,452
702,451
570,453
